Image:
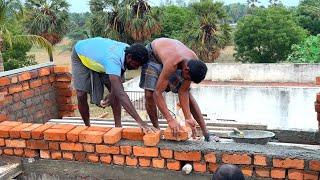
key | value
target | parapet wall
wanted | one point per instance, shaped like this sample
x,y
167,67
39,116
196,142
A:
x,y
302,73
36,93
127,147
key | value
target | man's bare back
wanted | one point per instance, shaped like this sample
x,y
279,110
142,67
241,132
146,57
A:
x,y
172,51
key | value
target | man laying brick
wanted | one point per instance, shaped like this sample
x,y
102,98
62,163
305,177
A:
x,y
172,67
99,62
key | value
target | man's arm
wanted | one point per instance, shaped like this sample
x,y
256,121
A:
x,y
118,91
184,97
160,88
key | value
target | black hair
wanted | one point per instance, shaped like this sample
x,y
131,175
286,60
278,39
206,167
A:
x,y
138,51
198,70
228,172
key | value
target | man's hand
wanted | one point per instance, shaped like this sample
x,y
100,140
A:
x,y
192,124
148,129
174,126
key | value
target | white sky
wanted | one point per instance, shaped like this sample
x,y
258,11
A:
x,y
83,5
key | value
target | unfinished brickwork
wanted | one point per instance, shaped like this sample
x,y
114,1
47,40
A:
x,y
110,146
36,95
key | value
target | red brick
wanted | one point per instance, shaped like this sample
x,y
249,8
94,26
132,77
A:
x,y
317,80
88,147
112,136
288,163
45,80
44,154
247,171
125,150
31,153
4,81
26,132
187,156
91,136
16,143
314,165
295,174
37,133
173,165
103,149
15,88
278,173
25,86
68,107
71,146
144,162
44,72
236,158
260,160
213,167
56,155
55,134
35,83
4,131
14,79
131,161
200,167
106,159
210,157
64,78
63,126
311,175
53,145
52,78
61,69
134,134
152,139
73,135
158,163
183,135
24,76
37,144
8,151
166,153
118,159
262,172
93,158
62,85
65,92
2,143
10,123
15,132
3,117
145,151
80,156
64,100
18,152
67,156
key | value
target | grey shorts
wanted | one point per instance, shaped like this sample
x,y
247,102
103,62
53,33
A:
x,y
150,73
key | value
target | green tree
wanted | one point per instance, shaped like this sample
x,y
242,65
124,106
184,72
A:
x,y
125,20
236,11
79,26
10,14
306,52
209,32
267,36
174,19
47,18
308,13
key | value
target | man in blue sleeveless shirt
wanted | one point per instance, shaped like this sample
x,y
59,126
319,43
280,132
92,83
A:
x,y
100,61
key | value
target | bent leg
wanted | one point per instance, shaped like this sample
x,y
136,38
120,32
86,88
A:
x,y
151,108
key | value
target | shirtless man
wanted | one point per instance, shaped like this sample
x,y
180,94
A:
x,y
172,66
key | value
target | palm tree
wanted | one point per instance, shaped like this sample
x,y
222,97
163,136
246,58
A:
x,y
253,3
8,8
126,20
209,33
47,18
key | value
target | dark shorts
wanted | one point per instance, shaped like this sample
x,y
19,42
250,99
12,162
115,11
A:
x,y
150,73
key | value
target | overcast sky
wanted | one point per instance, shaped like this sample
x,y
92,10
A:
x,y
83,5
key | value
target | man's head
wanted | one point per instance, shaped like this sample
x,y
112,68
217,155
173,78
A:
x,y
194,70
135,56
228,172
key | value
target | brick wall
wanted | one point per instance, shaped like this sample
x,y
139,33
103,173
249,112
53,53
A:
x,y
36,94
131,147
